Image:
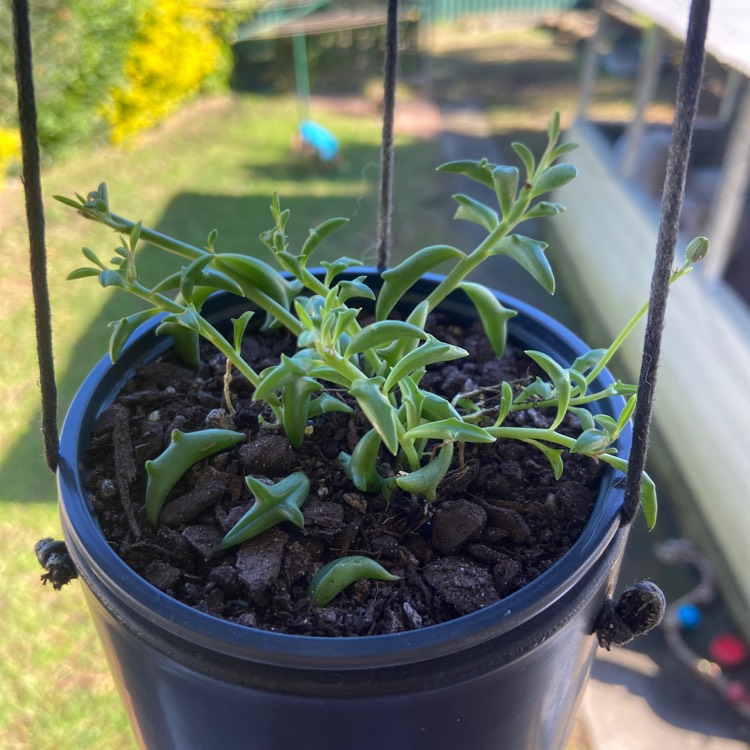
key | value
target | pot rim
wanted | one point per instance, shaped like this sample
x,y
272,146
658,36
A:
x,y
103,570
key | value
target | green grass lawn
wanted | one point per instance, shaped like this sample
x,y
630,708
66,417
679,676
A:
x,y
214,165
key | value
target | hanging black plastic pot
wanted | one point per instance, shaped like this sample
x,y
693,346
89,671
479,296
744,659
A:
x,y
508,676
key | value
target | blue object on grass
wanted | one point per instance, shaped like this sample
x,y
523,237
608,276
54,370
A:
x,y
315,136
689,616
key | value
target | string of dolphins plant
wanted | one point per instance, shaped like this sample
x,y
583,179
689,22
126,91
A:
x,y
381,364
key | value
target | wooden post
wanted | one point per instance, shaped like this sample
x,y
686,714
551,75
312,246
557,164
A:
x,y
729,201
648,78
590,67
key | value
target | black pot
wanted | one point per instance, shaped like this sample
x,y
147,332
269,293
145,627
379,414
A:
x,y
508,676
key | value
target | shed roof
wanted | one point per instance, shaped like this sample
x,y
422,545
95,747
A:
x,y
728,26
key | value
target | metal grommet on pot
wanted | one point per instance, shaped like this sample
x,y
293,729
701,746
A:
x,y
639,609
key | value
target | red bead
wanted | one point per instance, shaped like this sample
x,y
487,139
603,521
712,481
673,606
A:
x,y
728,650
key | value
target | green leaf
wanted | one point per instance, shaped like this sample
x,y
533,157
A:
x,y
135,235
326,403
412,400
529,254
329,374
578,382
240,326
396,281
475,211
696,250
563,149
123,329
277,376
189,318
190,275
591,442
649,502
426,479
589,360
184,450
361,466
251,273
112,278
92,257
539,389
626,413
398,349
436,408
505,181
544,209
585,417
526,157
553,455
335,267
506,401
554,177
318,234
430,352
480,171
560,379
82,273
295,408
273,505
609,424
378,410
553,128
380,334
451,429
334,577
493,314
69,201
354,288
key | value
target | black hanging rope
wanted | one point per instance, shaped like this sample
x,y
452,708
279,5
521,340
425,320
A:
x,y
688,90
35,216
386,148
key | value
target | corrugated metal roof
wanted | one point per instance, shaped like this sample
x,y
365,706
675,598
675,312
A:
x,y
728,26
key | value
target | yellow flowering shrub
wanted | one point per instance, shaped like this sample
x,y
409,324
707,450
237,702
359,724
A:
x,y
174,52
10,150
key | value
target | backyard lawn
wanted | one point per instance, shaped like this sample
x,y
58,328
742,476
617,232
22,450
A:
x,y
214,165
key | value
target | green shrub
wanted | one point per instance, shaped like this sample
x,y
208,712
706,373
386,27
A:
x,y
79,54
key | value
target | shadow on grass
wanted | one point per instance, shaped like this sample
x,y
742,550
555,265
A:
x,y
191,216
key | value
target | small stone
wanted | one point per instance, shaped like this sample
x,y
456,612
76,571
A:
x,y
267,455
162,575
456,522
326,515
259,560
204,539
461,583
219,419
355,501
412,615
189,506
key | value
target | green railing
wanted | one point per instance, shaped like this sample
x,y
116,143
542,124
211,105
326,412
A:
x,y
453,10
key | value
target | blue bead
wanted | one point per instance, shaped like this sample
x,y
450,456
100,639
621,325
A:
x,y
689,616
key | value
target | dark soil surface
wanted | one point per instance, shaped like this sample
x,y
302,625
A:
x,y
501,519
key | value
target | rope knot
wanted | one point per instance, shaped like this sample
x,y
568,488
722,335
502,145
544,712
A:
x,y
54,558
639,609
